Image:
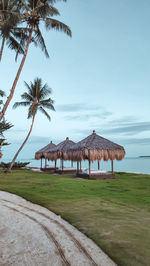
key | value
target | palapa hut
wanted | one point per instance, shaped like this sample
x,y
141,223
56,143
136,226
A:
x,y
93,148
42,154
60,152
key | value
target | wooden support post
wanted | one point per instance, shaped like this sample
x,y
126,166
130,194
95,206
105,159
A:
x,y
98,165
62,164
89,168
45,162
41,163
72,164
77,167
89,157
112,166
80,166
55,164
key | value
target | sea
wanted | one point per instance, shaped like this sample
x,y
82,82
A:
x,y
128,164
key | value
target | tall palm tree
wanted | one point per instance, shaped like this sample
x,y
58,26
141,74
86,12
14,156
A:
x,y
10,33
34,12
9,18
35,100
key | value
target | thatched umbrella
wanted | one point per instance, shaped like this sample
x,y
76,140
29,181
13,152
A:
x,y
42,153
60,151
95,147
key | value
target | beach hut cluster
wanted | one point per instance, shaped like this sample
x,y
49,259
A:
x,y
92,148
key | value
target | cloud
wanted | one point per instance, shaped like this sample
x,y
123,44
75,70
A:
x,y
85,117
83,112
78,107
129,128
139,141
125,120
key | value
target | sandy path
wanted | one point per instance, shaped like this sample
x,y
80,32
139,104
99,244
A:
x,y
31,235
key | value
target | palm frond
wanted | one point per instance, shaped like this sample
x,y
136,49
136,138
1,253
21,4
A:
x,y
40,41
27,97
44,10
14,45
4,125
45,113
57,25
48,104
30,89
18,104
32,110
3,143
2,93
53,1
22,35
24,5
45,91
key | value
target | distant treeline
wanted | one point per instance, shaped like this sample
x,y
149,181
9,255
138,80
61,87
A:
x,y
147,156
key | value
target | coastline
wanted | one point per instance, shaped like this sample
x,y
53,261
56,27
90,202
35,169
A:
x,y
139,165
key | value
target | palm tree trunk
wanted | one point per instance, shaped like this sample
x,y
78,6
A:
x,y
16,155
17,76
2,48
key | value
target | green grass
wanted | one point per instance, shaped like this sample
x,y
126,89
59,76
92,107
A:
x,y
114,213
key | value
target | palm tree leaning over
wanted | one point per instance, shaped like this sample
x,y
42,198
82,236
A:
x,y
33,14
35,100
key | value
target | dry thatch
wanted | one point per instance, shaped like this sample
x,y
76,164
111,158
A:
x,y
60,151
95,147
42,153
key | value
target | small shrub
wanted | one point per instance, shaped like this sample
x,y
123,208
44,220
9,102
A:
x,y
17,165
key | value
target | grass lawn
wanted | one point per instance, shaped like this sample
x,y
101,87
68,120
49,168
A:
x,y
114,213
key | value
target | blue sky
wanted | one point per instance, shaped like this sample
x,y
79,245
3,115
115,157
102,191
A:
x,y
100,78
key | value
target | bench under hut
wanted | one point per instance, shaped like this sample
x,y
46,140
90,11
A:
x,y
42,154
60,152
95,148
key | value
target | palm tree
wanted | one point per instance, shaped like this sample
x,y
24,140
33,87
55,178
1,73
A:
x,y
33,14
35,100
4,125
9,18
10,33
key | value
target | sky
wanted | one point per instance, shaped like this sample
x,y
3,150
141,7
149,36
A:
x,y
100,78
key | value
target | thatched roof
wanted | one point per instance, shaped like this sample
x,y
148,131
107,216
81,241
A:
x,y
59,152
42,153
95,147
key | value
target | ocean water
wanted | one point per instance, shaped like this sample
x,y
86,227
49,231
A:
x,y
128,164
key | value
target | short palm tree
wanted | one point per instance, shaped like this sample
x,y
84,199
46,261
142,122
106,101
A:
x,y
35,100
34,12
4,125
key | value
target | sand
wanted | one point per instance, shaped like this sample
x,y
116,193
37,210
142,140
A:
x,y
31,235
